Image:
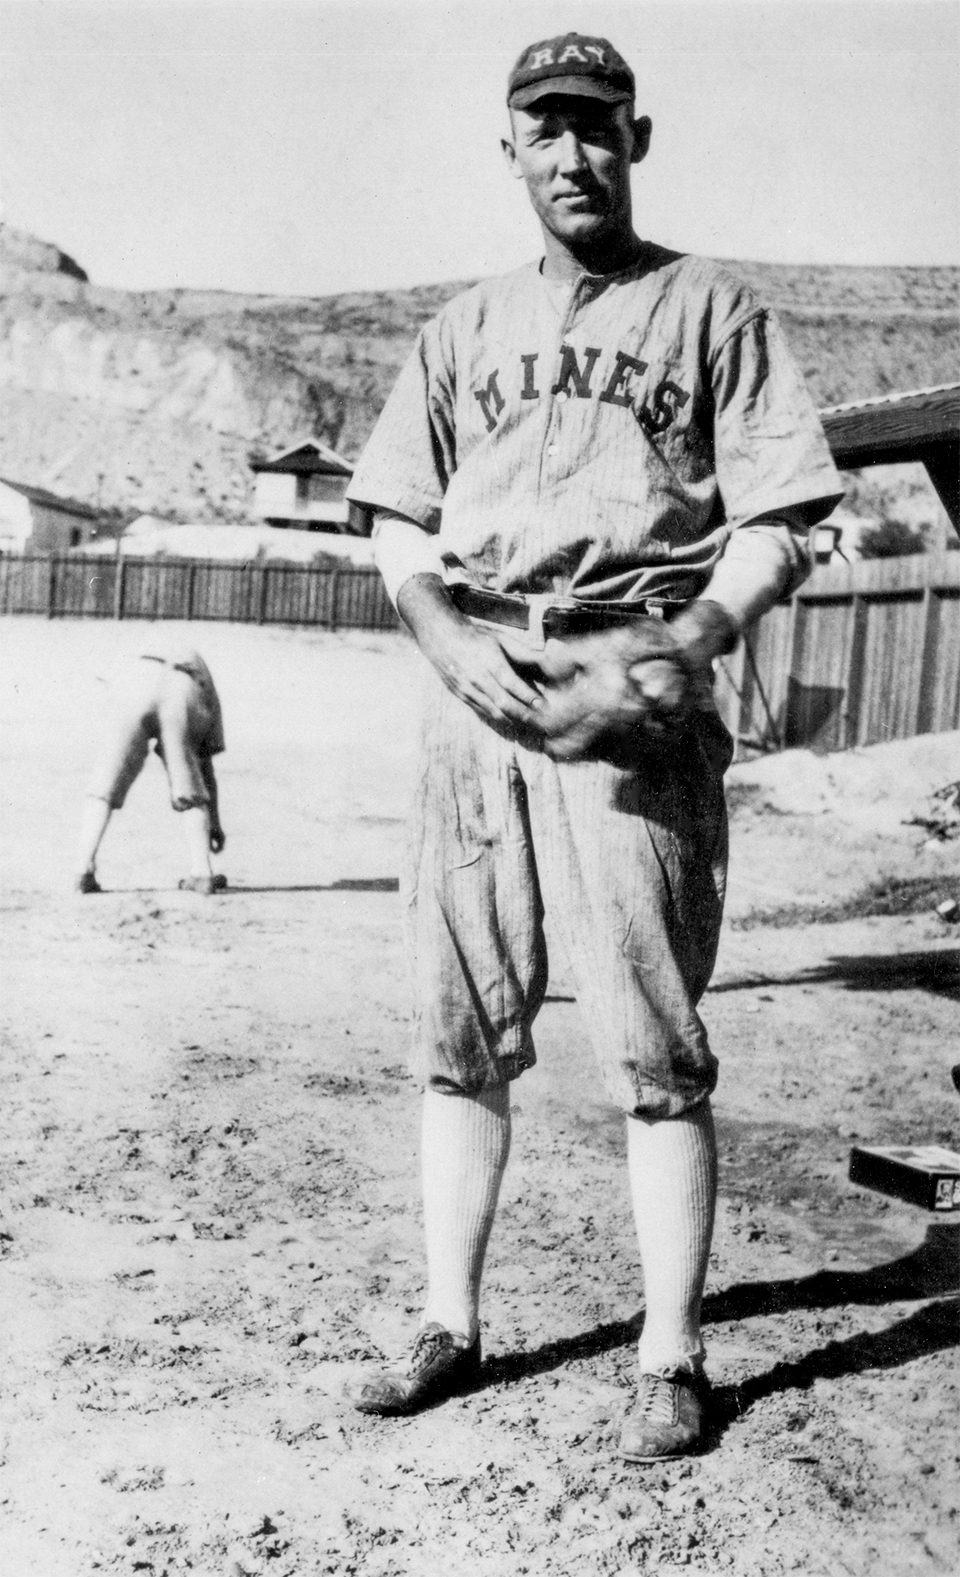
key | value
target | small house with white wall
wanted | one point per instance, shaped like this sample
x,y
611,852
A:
x,y
35,521
304,487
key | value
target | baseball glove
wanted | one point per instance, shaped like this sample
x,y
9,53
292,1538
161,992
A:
x,y
612,695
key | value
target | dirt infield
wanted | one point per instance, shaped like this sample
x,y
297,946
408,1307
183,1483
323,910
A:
x,y
210,1218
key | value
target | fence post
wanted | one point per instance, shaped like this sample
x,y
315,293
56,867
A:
x,y
52,587
262,611
334,593
923,717
770,725
736,675
798,618
191,577
118,587
853,685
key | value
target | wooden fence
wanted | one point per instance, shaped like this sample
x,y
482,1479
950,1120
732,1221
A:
x,y
864,652
73,585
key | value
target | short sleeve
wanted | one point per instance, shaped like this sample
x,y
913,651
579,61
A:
x,y
770,450
411,454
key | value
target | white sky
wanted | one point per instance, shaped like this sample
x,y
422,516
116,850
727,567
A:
x,y
307,148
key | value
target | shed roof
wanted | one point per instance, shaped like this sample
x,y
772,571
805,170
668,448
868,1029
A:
x,y
39,495
306,458
922,424
893,427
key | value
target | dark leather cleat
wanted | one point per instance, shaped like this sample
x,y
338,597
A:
x,y
87,883
666,1420
441,1365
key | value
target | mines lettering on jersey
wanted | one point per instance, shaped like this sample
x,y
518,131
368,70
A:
x,y
654,408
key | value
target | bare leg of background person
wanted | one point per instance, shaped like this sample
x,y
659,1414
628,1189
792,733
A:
x,y
196,827
93,825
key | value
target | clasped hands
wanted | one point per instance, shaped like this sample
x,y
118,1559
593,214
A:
x,y
603,696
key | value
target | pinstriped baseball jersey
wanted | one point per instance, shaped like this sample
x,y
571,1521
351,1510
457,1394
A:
x,y
602,442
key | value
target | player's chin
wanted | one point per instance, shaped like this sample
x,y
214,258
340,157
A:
x,y
583,231
587,224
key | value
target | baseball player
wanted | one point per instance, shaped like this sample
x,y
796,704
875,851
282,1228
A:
x,y
591,476
165,694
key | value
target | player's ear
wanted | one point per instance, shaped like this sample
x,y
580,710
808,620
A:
x,y
641,138
510,154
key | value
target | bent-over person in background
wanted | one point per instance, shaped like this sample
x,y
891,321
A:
x,y
164,695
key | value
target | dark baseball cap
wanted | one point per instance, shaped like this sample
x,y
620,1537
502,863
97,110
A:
x,y
574,63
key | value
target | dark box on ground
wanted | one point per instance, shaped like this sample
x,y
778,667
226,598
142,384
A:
x,y
923,1174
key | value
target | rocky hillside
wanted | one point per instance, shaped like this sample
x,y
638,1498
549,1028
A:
x,y
156,400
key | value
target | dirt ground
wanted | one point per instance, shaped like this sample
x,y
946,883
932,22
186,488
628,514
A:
x,y
210,1217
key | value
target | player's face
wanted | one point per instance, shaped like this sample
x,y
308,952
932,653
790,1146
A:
x,y
575,155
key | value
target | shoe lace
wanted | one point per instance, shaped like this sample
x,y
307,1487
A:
x,y
656,1399
428,1343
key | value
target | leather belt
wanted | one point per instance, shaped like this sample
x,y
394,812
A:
x,y
544,616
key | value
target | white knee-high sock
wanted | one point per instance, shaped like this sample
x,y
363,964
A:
x,y
673,1183
466,1141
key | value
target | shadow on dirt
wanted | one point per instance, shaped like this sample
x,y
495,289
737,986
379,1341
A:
x,y
347,884
937,971
934,1328
930,1271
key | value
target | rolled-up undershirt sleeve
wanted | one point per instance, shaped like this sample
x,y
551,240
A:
x,y
771,556
402,549
770,450
411,454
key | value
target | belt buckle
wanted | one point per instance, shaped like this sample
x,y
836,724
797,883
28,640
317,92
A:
x,y
538,605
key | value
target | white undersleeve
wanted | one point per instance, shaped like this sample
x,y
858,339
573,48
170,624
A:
x,y
401,548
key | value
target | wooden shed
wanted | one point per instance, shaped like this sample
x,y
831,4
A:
x,y
304,487
33,520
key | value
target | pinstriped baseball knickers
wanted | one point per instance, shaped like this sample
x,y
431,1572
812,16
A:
x,y
631,866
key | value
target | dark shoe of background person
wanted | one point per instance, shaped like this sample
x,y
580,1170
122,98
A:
x,y
202,884
665,1420
87,883
441,1365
